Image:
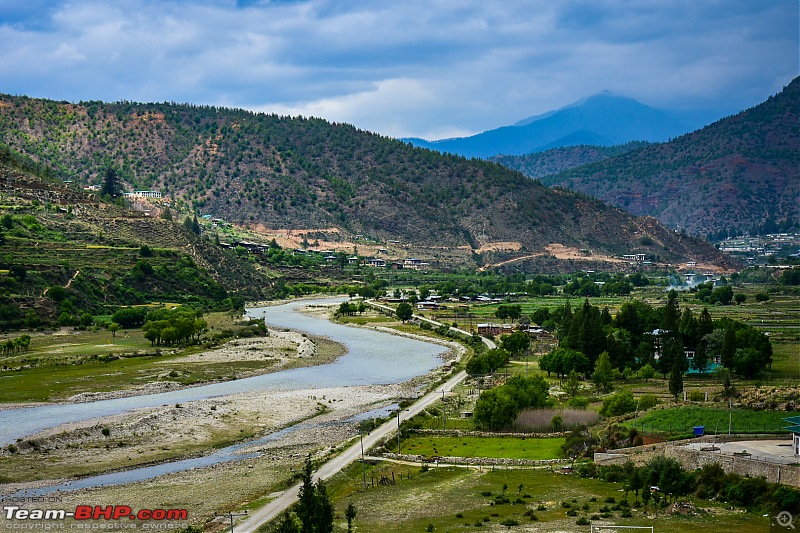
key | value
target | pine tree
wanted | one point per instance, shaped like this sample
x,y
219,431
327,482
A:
x,y
676,379
110,187
314,507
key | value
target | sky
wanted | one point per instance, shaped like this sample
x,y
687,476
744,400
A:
x,y
402,68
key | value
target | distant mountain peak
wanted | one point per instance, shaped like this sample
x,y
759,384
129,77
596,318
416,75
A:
x,y
605,118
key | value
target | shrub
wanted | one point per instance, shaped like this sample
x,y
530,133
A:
x,y
648,401
618,404
696,396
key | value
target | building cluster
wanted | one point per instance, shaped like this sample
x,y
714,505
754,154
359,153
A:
x,y
762,247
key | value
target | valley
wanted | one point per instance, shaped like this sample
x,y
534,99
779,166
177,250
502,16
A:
x,y
563,350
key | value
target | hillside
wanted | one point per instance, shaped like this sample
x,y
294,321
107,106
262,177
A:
x,y
733,176
101,255
539,164
603,119
292,178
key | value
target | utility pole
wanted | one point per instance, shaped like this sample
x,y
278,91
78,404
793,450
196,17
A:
x,y
398,432
363,464
232,515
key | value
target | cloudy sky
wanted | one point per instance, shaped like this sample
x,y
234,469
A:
x,y
428,68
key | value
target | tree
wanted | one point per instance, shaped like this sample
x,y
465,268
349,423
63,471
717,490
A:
x,y
603,376
113,327
516,343
580,442
499,407
618,403
288,524
508,311
314,507
404,311
647,372
573,385
350,515
676,378
110,187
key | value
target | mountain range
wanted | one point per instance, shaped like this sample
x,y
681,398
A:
x,y
604,119
295,178
740,174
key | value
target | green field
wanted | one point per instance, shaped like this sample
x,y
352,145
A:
x,y
512,448
466,500
680,421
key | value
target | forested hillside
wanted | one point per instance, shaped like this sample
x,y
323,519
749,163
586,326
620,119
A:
x,y
555,160
268,171
739,174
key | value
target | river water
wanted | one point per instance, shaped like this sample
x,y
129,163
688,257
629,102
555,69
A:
x,y
372,358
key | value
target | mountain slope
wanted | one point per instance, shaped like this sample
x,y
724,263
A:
x,y
100,254
271,172
603,119
555,160
739,172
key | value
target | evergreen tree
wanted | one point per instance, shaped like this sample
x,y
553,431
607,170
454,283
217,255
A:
x,y
705,324
350,515
110,187
728,350
565,323
689,329
314,507
603,376
701,357
671,313
676,379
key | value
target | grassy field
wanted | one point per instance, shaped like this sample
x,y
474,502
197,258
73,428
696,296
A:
x,y
512,448
681,420
61,365
467,500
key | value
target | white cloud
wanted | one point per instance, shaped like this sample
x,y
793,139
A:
x,y
429,68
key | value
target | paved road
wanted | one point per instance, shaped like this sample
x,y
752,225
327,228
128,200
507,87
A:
x,y
280,504
274,508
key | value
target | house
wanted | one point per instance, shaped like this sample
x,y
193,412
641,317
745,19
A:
x,y
352,260
415,264
495,329
423,306
142,194
377,263
639,258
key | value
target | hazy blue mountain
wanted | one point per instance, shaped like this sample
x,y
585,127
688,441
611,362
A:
x,y
604,120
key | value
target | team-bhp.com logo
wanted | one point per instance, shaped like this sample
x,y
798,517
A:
x,y
97,512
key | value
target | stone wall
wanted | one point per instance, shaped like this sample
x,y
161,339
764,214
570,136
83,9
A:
x,y
692,459
476,461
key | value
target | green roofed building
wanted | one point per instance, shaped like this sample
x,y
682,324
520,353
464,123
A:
x,y
794,427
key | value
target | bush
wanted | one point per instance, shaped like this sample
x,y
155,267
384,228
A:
x,y
648,401
578,402
696,396
618,404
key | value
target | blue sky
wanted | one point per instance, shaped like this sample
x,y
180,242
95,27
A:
x,y
428,68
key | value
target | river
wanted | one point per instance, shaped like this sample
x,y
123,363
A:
x,y
372,357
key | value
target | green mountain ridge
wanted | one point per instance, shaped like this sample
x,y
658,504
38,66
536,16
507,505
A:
x,y
269,172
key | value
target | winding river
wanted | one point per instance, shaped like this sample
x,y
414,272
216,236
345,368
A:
x,y
372,358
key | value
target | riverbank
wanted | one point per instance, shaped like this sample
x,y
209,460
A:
x,y
168,432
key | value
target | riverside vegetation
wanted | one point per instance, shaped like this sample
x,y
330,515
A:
x,y
86,284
